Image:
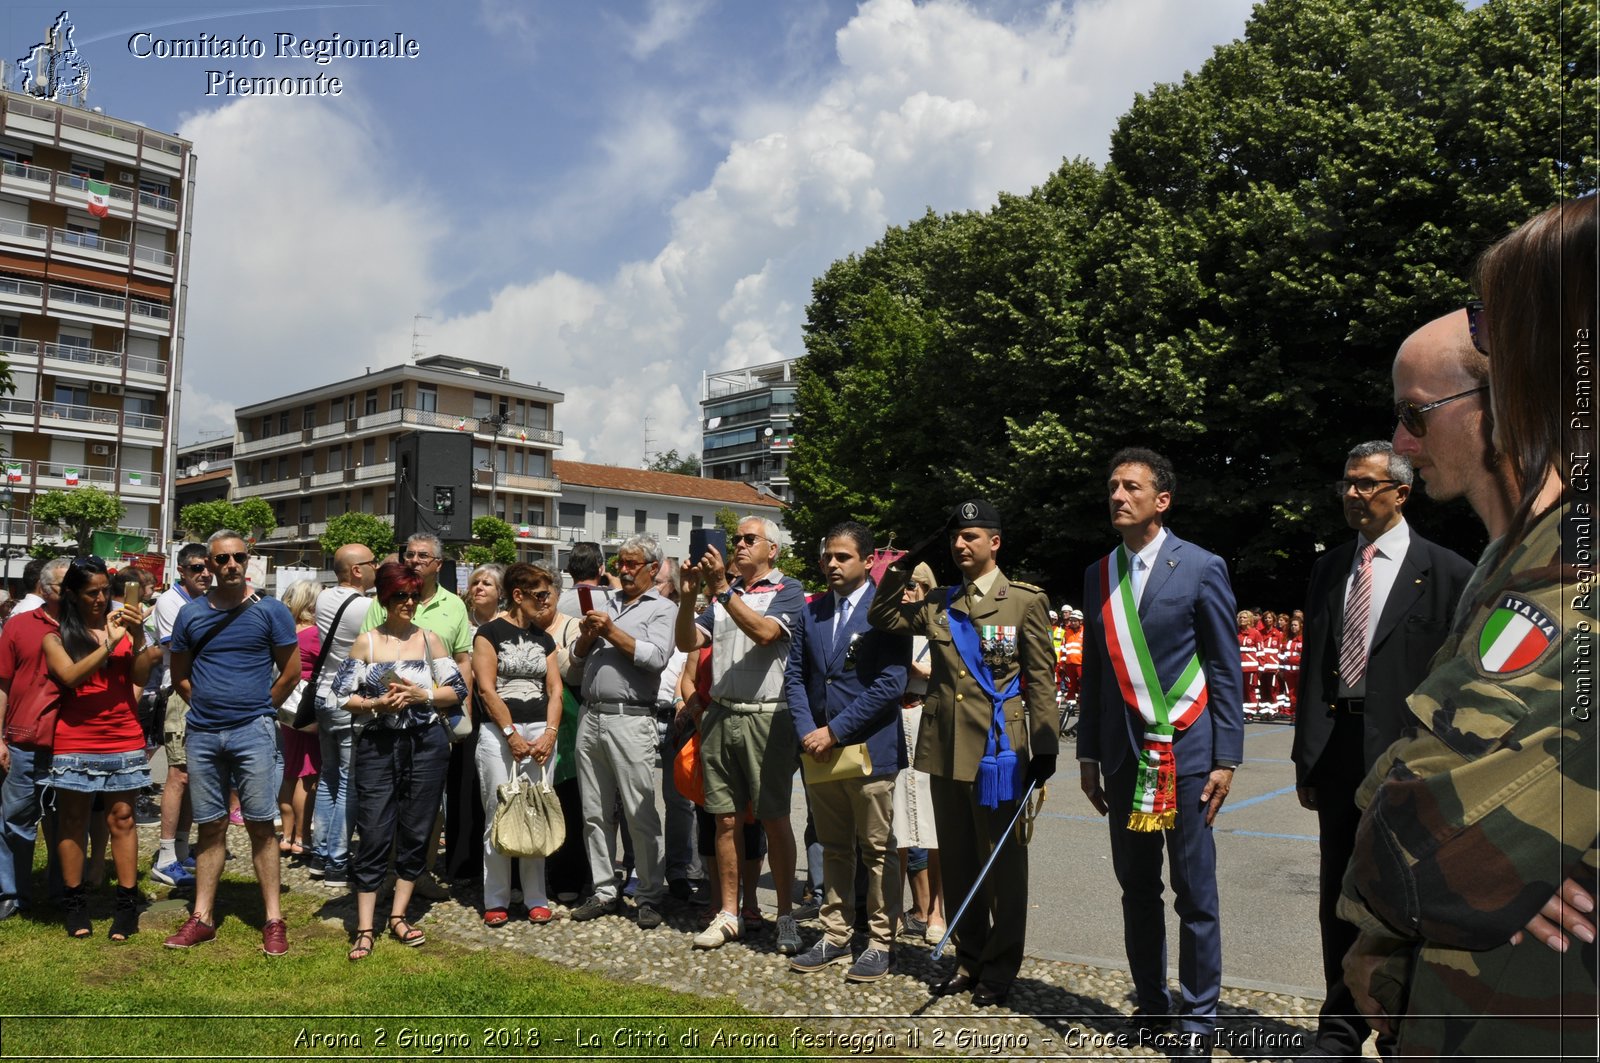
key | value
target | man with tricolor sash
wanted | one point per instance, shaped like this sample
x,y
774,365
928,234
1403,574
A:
x,y
1163,718
989,728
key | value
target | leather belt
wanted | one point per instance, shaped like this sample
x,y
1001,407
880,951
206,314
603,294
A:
x,y
752,707
620,708
1351,706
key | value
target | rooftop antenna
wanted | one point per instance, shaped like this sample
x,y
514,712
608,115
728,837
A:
x,y
417,335
649,440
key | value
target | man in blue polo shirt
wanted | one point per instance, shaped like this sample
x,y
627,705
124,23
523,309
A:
x,y
226,649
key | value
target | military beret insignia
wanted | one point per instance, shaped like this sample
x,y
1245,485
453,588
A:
x,y
1515,636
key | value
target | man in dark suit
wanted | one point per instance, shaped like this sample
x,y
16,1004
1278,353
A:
x,y
988,643
1379,607
843,683
1163,717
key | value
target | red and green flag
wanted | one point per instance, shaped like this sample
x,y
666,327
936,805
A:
x,y
1516,634
99,198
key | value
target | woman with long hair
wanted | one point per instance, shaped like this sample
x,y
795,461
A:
x,y
97,659
517,675
398,684
1473,873
302,750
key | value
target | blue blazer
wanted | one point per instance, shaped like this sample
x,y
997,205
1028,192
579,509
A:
x,y
1187,607
853,686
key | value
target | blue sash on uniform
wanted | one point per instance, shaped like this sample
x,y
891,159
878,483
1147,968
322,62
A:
x,y
999,772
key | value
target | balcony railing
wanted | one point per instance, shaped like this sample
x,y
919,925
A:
x,y
89,242
15,347
25,289
539,531
149,422
89,414
81,184
159,311
22,230
25,172
379,471
61,293
85,474
153,255
16,408
138,363
150,199
67,352
327,479
517,481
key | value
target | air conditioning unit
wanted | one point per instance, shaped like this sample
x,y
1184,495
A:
x,y
127,175
100,448
98,387
115,389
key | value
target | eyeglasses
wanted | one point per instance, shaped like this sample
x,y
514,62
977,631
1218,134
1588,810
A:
x,y
1477,326
537,596
748,538
410,556
90,562
1409,414
198,566
405,596
239,558
1366,487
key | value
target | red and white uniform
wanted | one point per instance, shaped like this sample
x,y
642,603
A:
x,y
1289,673
1271,656
1250,663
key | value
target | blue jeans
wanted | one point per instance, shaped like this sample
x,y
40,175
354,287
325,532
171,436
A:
x,y
246,758
330,819
20,810
679,836
398,778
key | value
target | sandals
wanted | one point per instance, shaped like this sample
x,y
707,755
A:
x,y
125,919
496,917
412,937
359,951
77,912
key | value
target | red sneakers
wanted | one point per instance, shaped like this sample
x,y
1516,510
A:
x,y
190,934
275,937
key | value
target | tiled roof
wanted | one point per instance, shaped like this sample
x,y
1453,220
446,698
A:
x,y
643,481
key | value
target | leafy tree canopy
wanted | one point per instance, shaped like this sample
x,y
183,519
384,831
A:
x,y
79,513
670,461
363,528
496,542
252,517
1229,289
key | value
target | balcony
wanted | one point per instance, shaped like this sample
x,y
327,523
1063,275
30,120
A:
x,y
144,426
257,446
83,361
86,305
24,233
510,481
154,368
17,474
21,295
16,411
539,533
328,479
15,349
268,487
22,179
380,471
154,317
53,475
90,247
73,190
85,418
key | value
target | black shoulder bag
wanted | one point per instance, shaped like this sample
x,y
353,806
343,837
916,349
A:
x,y
306,714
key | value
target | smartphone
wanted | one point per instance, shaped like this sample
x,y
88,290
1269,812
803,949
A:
x,y
131,594
700,538
585,598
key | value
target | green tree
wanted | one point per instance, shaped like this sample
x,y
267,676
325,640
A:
x,y
363,528
79,513
670,461
727,518
1230,288
496,541
252,518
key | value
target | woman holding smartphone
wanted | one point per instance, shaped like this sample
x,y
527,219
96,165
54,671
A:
x,y
98,658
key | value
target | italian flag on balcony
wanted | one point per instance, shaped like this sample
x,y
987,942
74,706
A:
x,y
461,424
524,531
71,476
13,474
99,198
136,478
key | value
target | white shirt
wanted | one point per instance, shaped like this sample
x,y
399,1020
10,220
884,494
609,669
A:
x,y
1143,563
168,604
328,603
854,598
1392,546
29,602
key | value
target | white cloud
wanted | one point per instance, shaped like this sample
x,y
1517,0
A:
x,y
509,19
669,20
318,262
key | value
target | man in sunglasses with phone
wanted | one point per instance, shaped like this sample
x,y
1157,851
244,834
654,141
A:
x,y
1380,606
173,865
226,649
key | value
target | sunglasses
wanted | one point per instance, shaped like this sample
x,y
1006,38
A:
x,y
239,558
1409,414
1476,326
405,596
537,596
90,562
749,538
198,566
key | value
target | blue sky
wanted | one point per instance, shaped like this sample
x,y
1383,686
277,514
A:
x,y
611,197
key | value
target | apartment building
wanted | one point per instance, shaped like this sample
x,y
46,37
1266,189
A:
x,y
329,450
607,503
749,425
94,223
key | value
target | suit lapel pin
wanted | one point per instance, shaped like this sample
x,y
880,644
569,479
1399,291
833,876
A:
x,y
1171,563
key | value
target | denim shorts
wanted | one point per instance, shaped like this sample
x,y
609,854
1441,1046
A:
x,y
245,758
93,773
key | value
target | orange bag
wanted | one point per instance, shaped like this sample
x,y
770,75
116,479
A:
x,y
687,774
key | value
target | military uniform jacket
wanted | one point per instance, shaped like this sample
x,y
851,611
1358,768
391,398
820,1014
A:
x,y
957,714
1475,819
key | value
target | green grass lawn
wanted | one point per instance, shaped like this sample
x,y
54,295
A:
x,y
225,1000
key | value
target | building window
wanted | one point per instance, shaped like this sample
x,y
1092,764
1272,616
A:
x,y
388,502
672,525
305,511
482,405
366,501
696,522
369,451
572,514
611,522
427,398
308,464
397,397
372,401
308,417
283,466
68,395
639,517
283,423
266,426
335,459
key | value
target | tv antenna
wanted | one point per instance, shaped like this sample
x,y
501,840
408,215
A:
x,y
417,335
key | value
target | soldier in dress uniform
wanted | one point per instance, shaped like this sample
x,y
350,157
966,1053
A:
x,y
988,728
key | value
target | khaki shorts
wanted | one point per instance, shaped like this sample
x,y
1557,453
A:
x,y
749,757
172,731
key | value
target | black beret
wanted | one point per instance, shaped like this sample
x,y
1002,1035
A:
x,y
974,513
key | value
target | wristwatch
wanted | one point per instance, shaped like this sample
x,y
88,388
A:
x,y
508,730
726,596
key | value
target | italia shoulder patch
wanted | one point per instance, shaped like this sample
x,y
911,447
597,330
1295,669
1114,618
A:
x,y
1516,634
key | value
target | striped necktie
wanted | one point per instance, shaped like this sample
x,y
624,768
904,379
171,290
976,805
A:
x,y
1353,648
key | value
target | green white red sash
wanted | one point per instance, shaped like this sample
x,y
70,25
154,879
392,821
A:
x,y
1162,714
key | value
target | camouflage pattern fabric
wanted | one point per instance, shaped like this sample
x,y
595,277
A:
x,y
1475,818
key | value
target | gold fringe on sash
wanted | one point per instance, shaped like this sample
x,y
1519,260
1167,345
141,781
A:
x,y
1150,821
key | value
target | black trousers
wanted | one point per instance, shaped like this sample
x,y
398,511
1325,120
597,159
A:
x,y
398,779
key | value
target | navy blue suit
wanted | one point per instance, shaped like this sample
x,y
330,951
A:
x,y
856,693
1187,608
